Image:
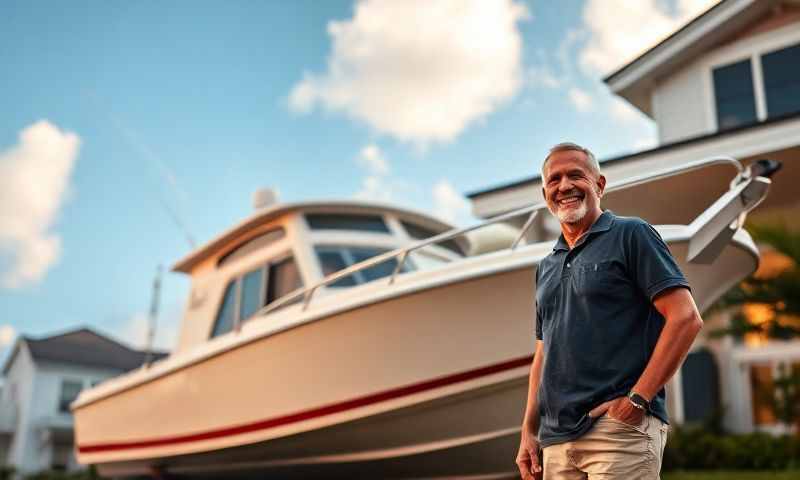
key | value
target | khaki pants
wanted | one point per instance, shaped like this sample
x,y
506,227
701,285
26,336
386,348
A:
x,y
610,450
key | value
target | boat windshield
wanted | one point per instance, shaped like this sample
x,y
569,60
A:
x,y
334,258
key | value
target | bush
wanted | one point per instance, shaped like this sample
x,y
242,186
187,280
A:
x,y
694,448
7,472
89,474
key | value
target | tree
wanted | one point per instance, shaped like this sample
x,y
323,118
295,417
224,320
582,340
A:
x,y
779,292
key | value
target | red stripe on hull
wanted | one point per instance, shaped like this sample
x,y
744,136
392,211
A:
x,y
315,412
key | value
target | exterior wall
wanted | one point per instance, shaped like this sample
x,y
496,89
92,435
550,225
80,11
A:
x,y
683,102
23,444
38,388
679,105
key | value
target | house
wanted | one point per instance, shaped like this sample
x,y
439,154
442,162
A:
x,y
727,83
42,377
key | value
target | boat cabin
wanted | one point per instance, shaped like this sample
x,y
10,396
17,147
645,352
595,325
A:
x,y
286,247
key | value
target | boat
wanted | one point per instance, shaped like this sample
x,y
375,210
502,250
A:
x,y
352,339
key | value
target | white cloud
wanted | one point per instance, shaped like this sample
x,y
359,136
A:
x,y
34,182
619,30
7,336
624,112
542,77
580,99
134,332
371,157
448,203
417,70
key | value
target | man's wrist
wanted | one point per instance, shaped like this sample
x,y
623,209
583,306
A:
x,y
638,401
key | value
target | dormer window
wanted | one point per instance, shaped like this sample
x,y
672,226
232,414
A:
x,y
733,91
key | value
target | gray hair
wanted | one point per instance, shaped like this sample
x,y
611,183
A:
x,y
593,165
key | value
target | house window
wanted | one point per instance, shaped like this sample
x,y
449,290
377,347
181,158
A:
x,y
364,223
782,81
733,92
69,392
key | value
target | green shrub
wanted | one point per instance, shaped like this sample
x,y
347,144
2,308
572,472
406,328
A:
x,y
694,448
7,472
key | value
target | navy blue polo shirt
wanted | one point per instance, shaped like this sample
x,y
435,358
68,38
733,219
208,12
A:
x,y
595,315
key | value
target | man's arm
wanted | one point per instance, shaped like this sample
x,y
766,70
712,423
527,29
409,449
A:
x,y
528,459
681,325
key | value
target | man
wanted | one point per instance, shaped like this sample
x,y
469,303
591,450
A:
x,y
614,321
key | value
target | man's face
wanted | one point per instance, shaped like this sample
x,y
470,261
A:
x,y
570,188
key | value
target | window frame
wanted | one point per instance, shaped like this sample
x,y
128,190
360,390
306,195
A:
x,y
345,251
62,409
238,278
757,104
752,48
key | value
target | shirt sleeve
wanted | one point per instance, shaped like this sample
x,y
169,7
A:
x,y
536,308
652,266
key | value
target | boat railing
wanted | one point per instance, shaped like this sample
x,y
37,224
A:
x,y
401,254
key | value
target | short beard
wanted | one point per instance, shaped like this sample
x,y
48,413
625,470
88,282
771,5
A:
x,y
571,216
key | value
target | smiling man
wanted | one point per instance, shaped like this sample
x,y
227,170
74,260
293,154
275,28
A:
x,y
614,321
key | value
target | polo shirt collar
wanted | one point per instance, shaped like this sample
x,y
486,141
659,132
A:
x,y
603,223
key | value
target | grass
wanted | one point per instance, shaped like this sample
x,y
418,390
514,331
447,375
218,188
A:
x,y
733,475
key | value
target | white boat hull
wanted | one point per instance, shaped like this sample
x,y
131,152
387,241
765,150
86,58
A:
x,y
425,382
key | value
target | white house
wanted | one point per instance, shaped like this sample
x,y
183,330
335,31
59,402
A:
x,y
726,83
42,377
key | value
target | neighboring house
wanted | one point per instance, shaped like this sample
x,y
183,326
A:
x,y
727,83
42,377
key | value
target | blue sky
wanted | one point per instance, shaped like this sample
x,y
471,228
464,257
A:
x,y
119,117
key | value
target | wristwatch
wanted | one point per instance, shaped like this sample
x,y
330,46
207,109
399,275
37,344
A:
x,y
638,401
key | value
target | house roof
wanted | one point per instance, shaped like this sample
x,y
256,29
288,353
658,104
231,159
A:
x,y
82,347
634,156
634,80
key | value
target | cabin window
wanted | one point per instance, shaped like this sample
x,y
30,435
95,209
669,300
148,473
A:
x,y
224,322
284,277
363,223
733,91
250,246
252,293
69,392
420,233
248,293
334,259
782,81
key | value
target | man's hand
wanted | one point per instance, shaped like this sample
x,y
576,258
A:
x,y
528,459
620,408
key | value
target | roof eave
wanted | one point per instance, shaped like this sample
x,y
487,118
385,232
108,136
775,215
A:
x,y
635,80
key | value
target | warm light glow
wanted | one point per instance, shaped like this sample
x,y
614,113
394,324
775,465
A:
x,y
757,314
772,264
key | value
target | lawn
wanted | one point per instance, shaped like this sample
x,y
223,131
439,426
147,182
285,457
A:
x,y
732,475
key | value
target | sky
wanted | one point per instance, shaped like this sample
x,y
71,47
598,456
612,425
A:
x,y
132,130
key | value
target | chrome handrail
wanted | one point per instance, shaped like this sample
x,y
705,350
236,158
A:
x,y
532,209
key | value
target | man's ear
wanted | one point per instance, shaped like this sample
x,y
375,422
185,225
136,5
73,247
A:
x,y
544,195
601,185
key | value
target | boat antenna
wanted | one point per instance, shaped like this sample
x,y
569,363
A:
x,y
152,318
